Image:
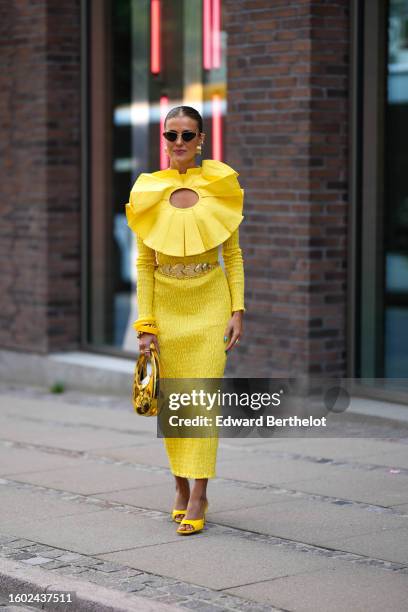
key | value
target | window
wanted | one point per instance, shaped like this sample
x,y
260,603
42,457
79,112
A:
x,y
380,194
145,57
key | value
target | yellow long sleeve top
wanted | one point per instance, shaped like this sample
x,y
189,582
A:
x,y
148,259
169,235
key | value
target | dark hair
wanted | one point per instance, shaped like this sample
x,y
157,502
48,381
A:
x,y
189,111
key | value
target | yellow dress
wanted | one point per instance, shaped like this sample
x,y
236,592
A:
x,y
191,314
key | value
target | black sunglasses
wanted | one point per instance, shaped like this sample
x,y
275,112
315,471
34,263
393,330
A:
x,y
186,136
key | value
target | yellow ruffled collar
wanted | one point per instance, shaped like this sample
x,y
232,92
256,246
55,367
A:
x,y
186,231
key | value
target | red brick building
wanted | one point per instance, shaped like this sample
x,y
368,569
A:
x,y
305,99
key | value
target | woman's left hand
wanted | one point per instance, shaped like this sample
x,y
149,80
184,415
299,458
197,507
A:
x,y
233,331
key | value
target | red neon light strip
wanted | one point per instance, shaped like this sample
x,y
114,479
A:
x,y
207,60
155,50
216,127
164,108
216,36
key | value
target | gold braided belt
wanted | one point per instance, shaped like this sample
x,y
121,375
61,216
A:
x,y
189,270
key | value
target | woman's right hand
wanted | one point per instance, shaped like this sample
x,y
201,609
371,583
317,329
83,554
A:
x,y
144,343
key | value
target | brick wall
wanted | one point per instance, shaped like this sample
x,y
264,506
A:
x,y
64,177
287,136
286,133
40,176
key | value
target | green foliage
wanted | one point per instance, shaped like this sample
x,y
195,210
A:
x,y
57,387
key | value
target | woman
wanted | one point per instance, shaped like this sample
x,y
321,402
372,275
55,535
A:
x,y
192,313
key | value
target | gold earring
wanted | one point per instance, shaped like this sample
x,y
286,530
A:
x,y
199,149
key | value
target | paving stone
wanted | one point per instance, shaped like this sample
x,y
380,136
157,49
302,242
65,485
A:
x,y
59,436
390,544
148,592
6,552
91,477
218,597
207,594
22,543
56,564
108,567
402,508
86,561
333,448
39,548
21,556
54,420
170,599
152,453
87,533
4,539
395,458
269,470
14,460
379,488
340,587
38,560
262,560
224,496
17,608
308,520
68,413
202,606
69,570
254,607
185,589
70,557
101,578
134,588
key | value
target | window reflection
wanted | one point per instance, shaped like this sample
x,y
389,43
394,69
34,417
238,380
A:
x,y
396,195
155,61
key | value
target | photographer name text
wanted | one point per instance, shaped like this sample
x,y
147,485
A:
x,y
259,421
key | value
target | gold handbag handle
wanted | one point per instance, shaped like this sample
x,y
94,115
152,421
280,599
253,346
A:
x,y
146,384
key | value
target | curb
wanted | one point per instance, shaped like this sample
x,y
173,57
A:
x,y
17,578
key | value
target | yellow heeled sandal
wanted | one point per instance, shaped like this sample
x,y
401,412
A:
x,y
197,524
175,513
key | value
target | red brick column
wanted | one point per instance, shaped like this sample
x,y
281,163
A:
x,y
287,136
40,176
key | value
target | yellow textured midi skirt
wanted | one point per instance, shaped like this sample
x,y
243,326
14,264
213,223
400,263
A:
x,y
192,315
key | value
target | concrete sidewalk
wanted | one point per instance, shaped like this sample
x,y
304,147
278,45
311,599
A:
x,y
294,524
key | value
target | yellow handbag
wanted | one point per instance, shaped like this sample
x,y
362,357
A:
x,y
146,383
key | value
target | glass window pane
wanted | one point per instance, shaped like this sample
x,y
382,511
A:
x,y
148,56
396,195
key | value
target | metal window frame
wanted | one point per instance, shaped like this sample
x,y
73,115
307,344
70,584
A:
x,y
84,170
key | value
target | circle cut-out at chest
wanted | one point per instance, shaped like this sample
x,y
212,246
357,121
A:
x,y
184,198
